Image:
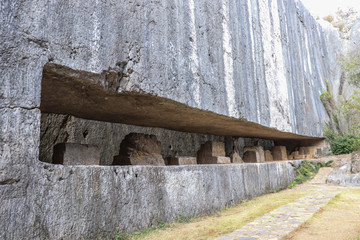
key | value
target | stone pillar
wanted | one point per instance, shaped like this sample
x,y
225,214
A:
x,y
76,154
279,153
268,156
212,153
249,154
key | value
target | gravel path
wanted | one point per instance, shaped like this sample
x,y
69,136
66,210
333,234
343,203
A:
x,y
281,221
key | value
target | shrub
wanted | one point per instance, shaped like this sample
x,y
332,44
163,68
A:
x,y
305,171
345,144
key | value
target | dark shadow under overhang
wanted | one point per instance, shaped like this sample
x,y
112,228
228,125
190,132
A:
x,y
82,94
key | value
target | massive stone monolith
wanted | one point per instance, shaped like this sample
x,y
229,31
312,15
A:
x,y
235,68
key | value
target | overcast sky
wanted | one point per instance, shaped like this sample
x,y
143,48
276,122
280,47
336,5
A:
x,y
323,8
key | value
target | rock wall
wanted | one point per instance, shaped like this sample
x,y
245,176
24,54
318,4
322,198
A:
x,y
261,61
81,202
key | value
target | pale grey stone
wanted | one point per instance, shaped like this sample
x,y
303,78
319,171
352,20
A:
x,y
355,162
255,62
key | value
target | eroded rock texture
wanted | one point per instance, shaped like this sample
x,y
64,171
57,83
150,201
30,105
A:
x,y
259,61
139,149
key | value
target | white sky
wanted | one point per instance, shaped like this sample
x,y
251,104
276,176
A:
x,y
323,8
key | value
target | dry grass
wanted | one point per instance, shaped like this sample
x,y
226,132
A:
x,y
225,221
339,219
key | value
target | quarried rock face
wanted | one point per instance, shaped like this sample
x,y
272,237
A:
x,y
355,162
279,153
212,153
76,154
139,149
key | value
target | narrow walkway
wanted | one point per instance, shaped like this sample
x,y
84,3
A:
x,y
280,222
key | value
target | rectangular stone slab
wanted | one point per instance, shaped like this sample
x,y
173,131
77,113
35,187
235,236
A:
x,y
216,160
76,154
181,160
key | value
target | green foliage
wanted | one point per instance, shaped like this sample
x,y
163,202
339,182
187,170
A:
x,y
325,97
345,144
351,65
328,163
306,171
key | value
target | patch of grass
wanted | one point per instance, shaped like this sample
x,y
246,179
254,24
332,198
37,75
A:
x,y
224,221
140,234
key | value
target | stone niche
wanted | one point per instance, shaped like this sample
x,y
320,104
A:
x,y
254,154
139,149
212,153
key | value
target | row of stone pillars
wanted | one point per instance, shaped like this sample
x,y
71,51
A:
x,y
145,149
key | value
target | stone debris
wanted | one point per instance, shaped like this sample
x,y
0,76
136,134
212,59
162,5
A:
x,y
279,153
179,160
139,149
76,154
212,153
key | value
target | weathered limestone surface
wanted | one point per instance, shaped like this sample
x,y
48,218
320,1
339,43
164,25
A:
x,y
104,199
355,162
271,73
139,149
343,173
261,61
76,154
